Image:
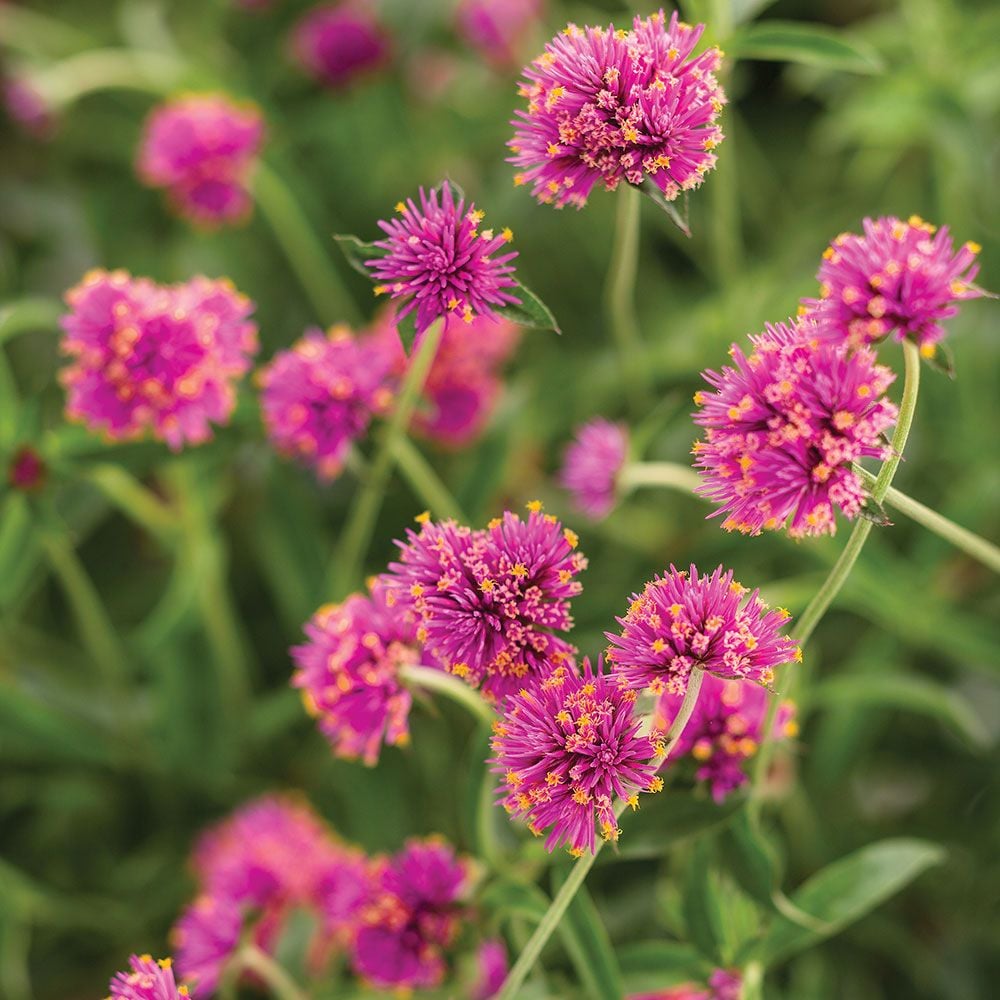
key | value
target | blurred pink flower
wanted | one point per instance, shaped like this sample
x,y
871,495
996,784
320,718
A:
x,y
337,43
26,106
592,463
492,966
497,28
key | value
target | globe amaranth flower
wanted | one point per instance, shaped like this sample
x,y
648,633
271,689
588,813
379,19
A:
x,y
492,966
336,43
592,463
723,984
413,919
318,397
202,149
783,428
496,28
147,979
724,731
566,748
682,620
489,605
611,105
349,674
441,263
900,278
157,359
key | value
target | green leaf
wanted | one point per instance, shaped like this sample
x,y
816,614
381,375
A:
x,y
848,889
515,899
872,510
356,252
532,312
654,965
700,905
808,44
911,694
651,191
942,360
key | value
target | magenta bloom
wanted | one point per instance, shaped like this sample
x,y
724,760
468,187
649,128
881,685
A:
x,y
439,261
27,471
783,428
205,937
202,149
722,985
318,398
158,359
900,278
566,748
608,105
724,731
349,675
592,463
26,106
415,918
492,966
683,620
337,43
147,980
496,28
489,605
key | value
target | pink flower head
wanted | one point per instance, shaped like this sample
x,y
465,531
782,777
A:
x,y
414,919
318,397
592,463
205,937
162,359
202,149
492,966
27,471
784,427
724,730
336,43
489,605
566,748
439,260
900,277
349,675
147,980
496,28
722,985
26,106
682,620
607,105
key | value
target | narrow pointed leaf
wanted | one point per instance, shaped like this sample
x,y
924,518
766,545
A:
x,y
659,199
532,312
356,252
807,44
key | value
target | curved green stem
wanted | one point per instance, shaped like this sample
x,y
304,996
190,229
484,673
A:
x,y
683,715
107,69
135,501
251,959
426,483
320,280
671,475
27,315
430,679
345,568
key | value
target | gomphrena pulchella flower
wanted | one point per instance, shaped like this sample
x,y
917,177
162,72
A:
x,y
155,359
899,278
147,979
337,43
682,621
607,105
567,749
592,463
784,426
202,149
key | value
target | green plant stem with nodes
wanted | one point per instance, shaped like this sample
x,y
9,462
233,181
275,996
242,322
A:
x,y
619,296
560,902
345,567
671,475
251,959
439,682
320,280
818,606
426,483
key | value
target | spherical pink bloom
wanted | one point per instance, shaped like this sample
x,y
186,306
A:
x,y
592,463
318,397
488,605
900,278
414,919
202,149
349,675
439,261
26,106
724,731
496,28
147,980
566,748
784,427
608,105
682,620
337,43
158,359
492,966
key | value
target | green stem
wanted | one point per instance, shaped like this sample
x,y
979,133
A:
x,y
320,280
28,315
107,69
966,541
560,902
818,606
355,539
251,959
135,501
430,679
671,475
426,483
620,292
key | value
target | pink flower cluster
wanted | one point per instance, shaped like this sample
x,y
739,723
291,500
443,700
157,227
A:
x,y
592,463
158,359
724,731
900,278
496,28
147,979
723,984
611,105
783,428
202,149
337,43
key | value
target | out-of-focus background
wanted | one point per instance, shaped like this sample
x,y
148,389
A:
x,y
96,822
